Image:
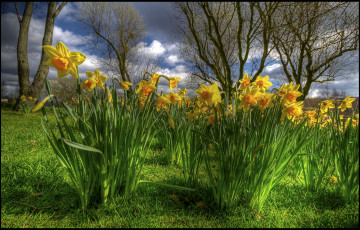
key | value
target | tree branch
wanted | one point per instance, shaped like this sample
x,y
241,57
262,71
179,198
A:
x,y
59,9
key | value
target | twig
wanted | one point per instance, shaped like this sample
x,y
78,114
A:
x,y
258,213
28,218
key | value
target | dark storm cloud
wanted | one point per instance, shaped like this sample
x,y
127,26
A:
x,y
158,18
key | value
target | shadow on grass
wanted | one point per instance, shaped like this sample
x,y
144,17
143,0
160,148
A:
x,y
25,187
326,198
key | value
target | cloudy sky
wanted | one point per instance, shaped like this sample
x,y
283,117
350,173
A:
x,y
158,43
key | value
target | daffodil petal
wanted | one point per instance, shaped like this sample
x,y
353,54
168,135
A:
x,y
62,49
103,78
41,103
62,73
49,63
50,51
77,58
89,74
73,71
97,73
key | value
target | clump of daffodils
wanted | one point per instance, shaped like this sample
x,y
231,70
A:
x,y
26,103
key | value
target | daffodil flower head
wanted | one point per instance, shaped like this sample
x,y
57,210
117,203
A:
x,y
245,82
182,92
99,79
209,94
265,100
161,102
191,116
89,84
249,97
262,82
292,110
346,103
291,94
125,85
173,82
64,61
23,98
174,97
325,105
145,88
281,92
154,78
210,119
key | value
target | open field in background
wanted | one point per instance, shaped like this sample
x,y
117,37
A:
x,y
35,192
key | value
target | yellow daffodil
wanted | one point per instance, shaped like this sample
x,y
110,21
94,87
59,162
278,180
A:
x,y
357,116
322,116
154,78
23,98
209,94
109,95
210,119
173,82
292,110
265,101
333,179
262,82
245,82
291,94
145,88
161,102
188,101
125,85
191,116
346,103
310,115
249,97
325,105
182,92
174,97
100,79
64,61
171,122
281,92
41,103
89,84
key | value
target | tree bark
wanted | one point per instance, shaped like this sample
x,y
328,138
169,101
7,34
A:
x,y
22,57
35,88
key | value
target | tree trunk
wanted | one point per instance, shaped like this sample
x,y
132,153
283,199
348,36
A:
x,y
35,88
43,70
22,57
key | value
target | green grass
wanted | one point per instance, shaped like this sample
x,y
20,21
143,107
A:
x,y
36,192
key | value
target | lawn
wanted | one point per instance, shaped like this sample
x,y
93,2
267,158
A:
x,y
36,192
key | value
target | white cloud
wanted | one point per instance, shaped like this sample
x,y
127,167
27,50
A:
x,y
67,37
172,59
156,49
272,67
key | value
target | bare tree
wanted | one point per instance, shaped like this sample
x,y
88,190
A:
x,y
220,37
324,90
315,41
118,29
26,88
3,88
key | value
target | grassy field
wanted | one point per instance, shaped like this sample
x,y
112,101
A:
x,y
36,192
